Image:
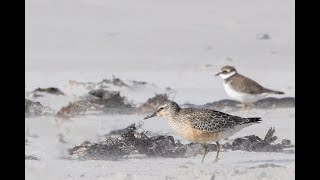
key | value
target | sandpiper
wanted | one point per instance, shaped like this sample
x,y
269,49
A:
x,y
241,88
202,125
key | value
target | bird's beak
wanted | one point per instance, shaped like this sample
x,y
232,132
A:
x,y
218,74
150,116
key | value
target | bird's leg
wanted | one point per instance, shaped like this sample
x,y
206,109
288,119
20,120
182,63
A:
x,y
218,150
205,148
243,107
248,107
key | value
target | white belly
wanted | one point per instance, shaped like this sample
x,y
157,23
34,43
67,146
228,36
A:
x,y
230,132
243,97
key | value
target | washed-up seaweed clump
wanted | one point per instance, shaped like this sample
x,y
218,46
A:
x,y
256,144
111,101
128,141
271,103
104,84
267,103
115,81
152,103
121,143
49,90
30,157
109,84
33,109
75,108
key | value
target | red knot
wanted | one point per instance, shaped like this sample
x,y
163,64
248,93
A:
x,y
202,125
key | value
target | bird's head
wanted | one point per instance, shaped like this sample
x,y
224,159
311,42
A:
x,y
165,110
226,72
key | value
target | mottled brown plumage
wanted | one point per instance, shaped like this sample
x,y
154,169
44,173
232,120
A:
x,y
201,125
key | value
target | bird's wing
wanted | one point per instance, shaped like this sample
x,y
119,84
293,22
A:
x,y
246,85
214,121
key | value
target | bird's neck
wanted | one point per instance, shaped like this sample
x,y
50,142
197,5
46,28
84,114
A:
x,y
174,122
228,77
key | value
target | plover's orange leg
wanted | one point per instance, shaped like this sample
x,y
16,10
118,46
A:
x,y
218,150
205,151
243,107
248,107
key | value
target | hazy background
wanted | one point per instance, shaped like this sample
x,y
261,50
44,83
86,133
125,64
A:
x,y
157,35
166,42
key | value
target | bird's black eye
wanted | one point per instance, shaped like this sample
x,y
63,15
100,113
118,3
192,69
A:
x,y
160,109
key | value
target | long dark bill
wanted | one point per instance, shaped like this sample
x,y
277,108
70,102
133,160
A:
x,y
150,116
218,74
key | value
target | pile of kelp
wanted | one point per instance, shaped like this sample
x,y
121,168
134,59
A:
x,y
122,143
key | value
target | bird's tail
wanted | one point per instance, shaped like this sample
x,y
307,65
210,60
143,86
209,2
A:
x,y
254,120
273,91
